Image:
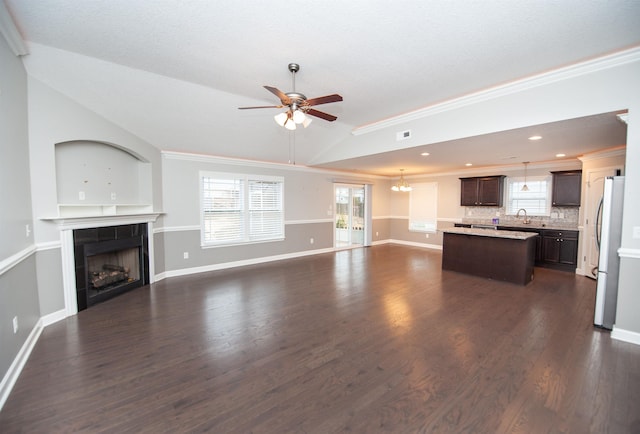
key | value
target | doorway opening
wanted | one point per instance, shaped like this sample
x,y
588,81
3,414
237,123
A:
x,y
349,216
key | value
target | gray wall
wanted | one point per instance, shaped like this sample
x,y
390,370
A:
x,y
18,287
309,208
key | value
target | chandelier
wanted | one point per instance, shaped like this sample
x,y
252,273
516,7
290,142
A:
x,y
401,185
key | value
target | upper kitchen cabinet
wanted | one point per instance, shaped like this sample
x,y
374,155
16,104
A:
x,y
482,191
567,186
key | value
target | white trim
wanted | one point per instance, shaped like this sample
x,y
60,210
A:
x,y
9,379
225,265
625,252
307,222
625,335
186,156
414,244
65,223
607,153
576,70
11,34
53,318
13,260
176,229
69,272
187,228
49,245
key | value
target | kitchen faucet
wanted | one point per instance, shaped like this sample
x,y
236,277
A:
x,y
526,221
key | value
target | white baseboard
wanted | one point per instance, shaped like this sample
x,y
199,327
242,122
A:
x,y
15,369
414,244
225,265
625,335
53,318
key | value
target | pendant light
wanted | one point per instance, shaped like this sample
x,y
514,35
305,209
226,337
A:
x,y
401,185
525,187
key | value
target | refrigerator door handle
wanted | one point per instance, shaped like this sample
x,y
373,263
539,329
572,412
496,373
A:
x,y
598,232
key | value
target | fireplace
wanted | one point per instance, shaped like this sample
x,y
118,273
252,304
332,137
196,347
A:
x,y
109,261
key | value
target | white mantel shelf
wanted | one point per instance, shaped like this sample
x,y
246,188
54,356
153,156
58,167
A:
x,y
92,221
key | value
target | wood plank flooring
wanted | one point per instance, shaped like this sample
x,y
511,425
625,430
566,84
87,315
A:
x,y
368,340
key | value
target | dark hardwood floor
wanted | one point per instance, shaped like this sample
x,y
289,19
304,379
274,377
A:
x,y
365,341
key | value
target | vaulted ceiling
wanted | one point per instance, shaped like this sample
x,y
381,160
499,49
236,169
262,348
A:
x,y
174,72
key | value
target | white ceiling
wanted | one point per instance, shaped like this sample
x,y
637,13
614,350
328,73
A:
x,y
174,72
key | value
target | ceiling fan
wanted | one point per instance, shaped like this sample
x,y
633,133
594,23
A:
x,y
299,106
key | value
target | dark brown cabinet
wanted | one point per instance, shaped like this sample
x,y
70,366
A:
x,y
560,249
566,188
482,191
554,248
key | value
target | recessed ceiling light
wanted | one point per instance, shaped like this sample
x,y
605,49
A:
x,y
535,137
561,155
468,164
424,154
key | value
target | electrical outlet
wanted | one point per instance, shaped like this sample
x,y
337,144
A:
x,y
113,196
27,230
636,232
186,255
81,195
15,324
376,234
311,240
426,235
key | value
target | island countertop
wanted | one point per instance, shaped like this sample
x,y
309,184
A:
x,y
514,235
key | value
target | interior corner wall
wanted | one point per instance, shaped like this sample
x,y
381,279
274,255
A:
x,y
18,285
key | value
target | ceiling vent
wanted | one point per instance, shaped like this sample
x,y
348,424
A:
x,y
403,135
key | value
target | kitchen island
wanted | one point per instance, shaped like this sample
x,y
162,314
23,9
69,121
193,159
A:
x,y
496,254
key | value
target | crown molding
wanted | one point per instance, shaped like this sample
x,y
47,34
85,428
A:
x,y
576,70
493,170
214,159
620,151
10,32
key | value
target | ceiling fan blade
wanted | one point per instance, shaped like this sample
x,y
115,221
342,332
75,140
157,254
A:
x,y
261,106
280,94
323,100
321,115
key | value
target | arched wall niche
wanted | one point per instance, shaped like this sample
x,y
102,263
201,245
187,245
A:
x,y
94,177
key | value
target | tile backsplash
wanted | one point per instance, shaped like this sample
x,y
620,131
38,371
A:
x,y
560,216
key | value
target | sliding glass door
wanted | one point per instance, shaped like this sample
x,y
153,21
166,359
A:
x,y
349,215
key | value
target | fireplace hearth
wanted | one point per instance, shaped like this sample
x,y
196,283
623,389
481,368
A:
x,y
109,261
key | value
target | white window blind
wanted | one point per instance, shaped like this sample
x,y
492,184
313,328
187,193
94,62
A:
x,y
241,208
423,207
536,201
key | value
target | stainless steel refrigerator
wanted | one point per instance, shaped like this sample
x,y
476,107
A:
x,y
609,220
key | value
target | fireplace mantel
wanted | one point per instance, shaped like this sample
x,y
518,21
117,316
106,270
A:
x,y
92,221
66,226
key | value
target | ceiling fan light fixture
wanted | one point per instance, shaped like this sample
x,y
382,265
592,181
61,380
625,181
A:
x,y
307,121
281,118
290,125
298,116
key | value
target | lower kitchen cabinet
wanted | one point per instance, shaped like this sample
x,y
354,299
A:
x,y
554,249
560,249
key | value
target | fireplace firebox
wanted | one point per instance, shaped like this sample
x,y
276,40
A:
x,y
110,261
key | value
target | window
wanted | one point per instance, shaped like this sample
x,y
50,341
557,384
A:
x,y
423,207
537,201
241,208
